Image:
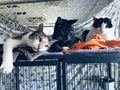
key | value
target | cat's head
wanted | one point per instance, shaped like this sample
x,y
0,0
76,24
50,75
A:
x,y
38,40
102,24
63,28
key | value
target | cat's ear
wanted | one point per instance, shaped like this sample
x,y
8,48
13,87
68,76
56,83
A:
x,y
94,18
40,27
59,19
73,21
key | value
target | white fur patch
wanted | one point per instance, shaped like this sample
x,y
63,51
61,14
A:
x,y
10,44
7,64
107,34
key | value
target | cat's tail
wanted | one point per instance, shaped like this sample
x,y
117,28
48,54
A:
x,y
84,34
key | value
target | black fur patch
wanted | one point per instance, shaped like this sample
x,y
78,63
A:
x,y
63,28
98,22
84,34
19,37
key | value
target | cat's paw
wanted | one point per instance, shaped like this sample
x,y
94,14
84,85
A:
x,y
6,67
65,48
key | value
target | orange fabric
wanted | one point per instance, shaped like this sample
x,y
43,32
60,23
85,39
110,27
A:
x,y
95,43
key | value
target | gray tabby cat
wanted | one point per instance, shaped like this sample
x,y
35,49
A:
x,y
37,40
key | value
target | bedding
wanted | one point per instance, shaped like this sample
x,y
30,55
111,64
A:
x,y
95,43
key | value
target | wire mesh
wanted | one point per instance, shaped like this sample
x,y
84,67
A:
x,y
37,78
78,76
8,81
91,76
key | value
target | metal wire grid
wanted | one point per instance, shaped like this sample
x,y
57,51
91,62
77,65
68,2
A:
x,y
42,75
82,76
91,76
37,78
30,78
8,81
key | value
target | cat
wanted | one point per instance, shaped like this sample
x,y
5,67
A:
x,y
101,26
37,40
64,34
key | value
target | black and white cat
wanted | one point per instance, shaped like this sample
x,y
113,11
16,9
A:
x,y
64,34
103,27
37,40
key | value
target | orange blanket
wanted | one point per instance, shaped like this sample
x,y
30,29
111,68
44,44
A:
x,y
95,43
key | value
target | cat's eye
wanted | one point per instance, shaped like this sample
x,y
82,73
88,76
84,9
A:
x,y
40,39
46,45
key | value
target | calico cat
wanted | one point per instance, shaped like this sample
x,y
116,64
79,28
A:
x,y
64,34
103,27
37,40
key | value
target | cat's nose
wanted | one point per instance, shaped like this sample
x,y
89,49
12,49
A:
x,y
40,45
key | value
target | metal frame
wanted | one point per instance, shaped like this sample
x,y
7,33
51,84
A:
x,y
61,61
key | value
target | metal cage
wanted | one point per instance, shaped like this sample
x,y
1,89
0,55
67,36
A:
x,y
73,71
